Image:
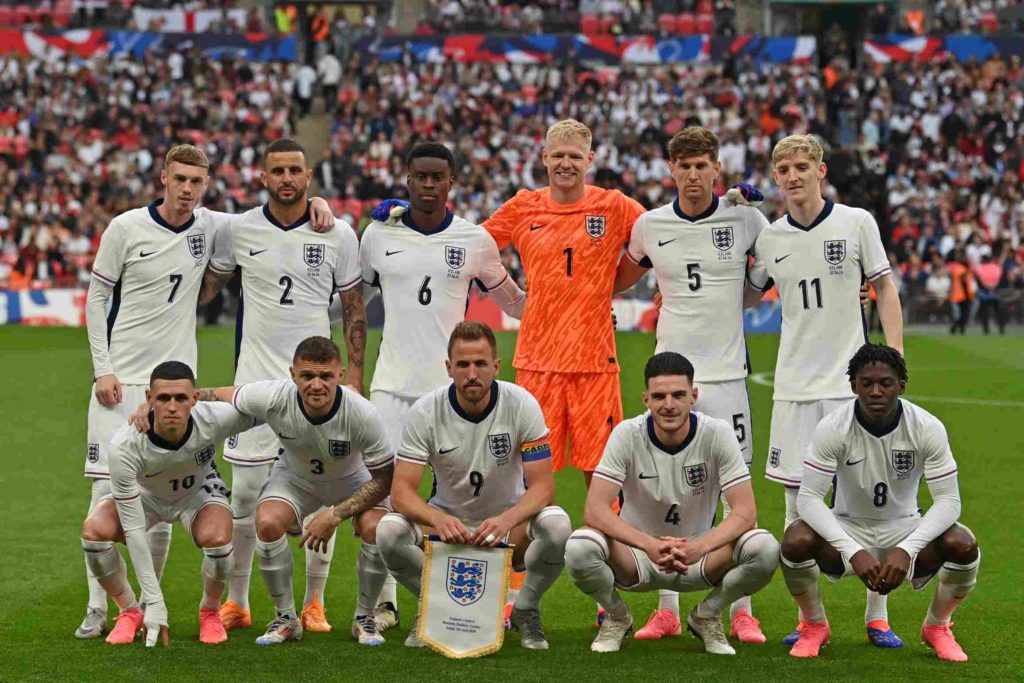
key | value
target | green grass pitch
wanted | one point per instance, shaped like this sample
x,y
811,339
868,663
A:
x,y
975,385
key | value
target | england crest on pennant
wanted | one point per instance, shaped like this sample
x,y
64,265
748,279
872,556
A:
x,y
197,245
467,579
696,474
500,445
722,238
455,257
835,251
313,254
595,226
902,461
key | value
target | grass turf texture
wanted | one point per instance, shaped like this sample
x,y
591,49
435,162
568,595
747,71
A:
x,y
977,389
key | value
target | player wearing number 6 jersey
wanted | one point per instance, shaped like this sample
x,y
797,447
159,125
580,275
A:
x,y
487,445
873,452
817,256
165,474
290,274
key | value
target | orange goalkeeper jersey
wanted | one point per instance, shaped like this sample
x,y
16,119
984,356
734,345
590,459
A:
x,y
570,253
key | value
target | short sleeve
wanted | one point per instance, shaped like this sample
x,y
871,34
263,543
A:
x,y
533,431
826,449
629,210
256,398
112,254
731,468
614,465
492,272
374,444
503,223
227,419
874,262
939,464
756,223
417,437
366,266
346,273
636,248
757,272
223,259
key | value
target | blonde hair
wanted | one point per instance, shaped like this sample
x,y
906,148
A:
x,y
190,155
692,142
569,130
794,144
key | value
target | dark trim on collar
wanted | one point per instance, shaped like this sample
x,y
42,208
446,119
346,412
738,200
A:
x,y
662,447
325,418
407,222
160,442
270,217
699,217
453,399
159,220
825,211
873,431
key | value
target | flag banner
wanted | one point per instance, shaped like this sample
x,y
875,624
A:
x,y
462,599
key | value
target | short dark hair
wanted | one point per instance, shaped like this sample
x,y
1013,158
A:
x,y
667,363
172,369
317,350
431,149
471,330
284,145
877,353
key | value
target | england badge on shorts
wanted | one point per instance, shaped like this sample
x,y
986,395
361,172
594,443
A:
x,y
197,245
313,254
94,453
595,226
338,449
774,457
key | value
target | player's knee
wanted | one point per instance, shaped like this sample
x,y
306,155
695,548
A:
x,y
552,524
585,550
800,542
958,545
393,531
758,550
366,527
269,527
95,530
213,538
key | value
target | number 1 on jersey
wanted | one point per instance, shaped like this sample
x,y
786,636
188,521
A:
x,y
568,261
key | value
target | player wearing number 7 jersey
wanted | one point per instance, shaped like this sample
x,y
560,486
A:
x,y
817,255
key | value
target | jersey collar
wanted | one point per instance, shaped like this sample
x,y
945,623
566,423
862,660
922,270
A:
x,y
270,217
453,399
876,432
324,418
662,447
159,220
699,217
407,222
160,442
825,211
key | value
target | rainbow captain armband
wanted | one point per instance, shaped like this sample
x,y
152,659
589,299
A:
x,y
535,450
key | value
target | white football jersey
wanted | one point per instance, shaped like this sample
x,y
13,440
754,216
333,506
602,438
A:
x,y
351,436
424,280
877,476
477,461
818,270
145,463
289,276
672,491
701,265
156,271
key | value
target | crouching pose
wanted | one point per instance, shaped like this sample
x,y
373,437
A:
x,y
484,440
671,465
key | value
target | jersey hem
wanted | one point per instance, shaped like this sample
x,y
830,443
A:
x,y
249,461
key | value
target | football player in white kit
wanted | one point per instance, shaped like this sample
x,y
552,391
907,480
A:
x,y
698,247
424,262
487,444
874,451
290,275
149,268
671,464
817,256
165,474
335,452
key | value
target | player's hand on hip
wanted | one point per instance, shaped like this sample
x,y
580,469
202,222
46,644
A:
x,y
140,418
320,216
108,390
155,624
893,572
492,531
452,530
745,194
319,531
866,567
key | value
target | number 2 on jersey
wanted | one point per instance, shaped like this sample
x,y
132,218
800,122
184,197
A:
x,y
286,282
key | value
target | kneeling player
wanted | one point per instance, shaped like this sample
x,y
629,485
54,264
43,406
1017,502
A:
x,y
671,464
165,474
484,439
874,451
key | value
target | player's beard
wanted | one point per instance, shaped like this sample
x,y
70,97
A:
x,y
298,196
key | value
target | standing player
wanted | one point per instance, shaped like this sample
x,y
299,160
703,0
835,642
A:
x,y
698,247
817,256
672,465
424,266
165,474
290,275
873,451
487,444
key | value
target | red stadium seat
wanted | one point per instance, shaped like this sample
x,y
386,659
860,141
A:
x,y
589,24
61,18
686,24
667,23
705,23
23,14
6,15
705,7
607,23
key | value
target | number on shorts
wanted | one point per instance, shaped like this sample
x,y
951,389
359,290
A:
x,y
741,430
184,484
316,466
477,480
673,514
881,494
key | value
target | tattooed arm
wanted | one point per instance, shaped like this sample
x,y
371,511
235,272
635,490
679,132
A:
x,y
319,531
213,280
223,394
353,314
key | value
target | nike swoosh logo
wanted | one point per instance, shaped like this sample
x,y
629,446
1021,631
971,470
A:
x,y
253,252
143,254
778,259
442,451
290,438
648,477
848,463
155,473
535,227
392,253
661,244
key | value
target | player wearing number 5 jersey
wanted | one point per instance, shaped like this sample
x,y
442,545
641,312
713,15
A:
x,y
817,256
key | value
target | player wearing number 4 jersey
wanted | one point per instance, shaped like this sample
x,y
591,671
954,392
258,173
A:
x,y
874,451
671,465
165,474
487,445
290,274
817,256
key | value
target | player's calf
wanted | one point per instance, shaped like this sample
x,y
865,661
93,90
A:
x,y
398,541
